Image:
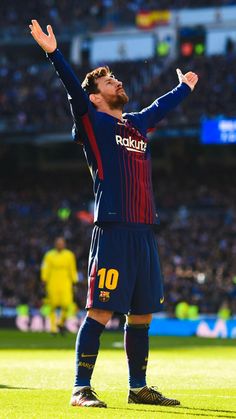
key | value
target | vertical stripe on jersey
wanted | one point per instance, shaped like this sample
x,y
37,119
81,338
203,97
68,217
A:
x,y
125,134
145,190
130,183
147,209
129,188
138,189
123,175
126,184
143,194
153,206
92,139
135,188
121,186
128,179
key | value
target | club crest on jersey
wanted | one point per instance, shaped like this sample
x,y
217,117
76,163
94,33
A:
x,y
104,296
139,146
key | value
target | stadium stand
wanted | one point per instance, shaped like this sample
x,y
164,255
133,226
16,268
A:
x,y
32,98
69,15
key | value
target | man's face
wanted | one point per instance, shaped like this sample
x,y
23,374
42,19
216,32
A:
x,y
60,244
112,92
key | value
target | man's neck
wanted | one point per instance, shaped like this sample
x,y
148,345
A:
x,y
116,113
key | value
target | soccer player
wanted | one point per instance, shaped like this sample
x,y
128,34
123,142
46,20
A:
x,y
124,270
58,272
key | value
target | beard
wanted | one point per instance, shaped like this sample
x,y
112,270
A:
x,y
118,101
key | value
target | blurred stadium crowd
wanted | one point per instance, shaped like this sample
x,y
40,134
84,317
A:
x,y
32,98
196,236
72,15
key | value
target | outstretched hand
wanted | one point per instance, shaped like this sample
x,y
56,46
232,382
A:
x,y
189,78
47,42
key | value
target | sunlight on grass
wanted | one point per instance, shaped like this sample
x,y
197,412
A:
x,y
36,383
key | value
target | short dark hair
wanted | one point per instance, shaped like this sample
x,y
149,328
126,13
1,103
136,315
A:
x,y
89,84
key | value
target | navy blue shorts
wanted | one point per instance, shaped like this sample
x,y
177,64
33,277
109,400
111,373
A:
x,y
124,269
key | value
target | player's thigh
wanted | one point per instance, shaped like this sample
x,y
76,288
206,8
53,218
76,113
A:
x,y
111,273
66,299
148,293
61,298
54,299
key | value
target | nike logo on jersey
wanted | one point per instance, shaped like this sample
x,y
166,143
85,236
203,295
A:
x,y
87,355
132,145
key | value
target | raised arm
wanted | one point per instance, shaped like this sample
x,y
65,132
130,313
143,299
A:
x,y
164,104
78,98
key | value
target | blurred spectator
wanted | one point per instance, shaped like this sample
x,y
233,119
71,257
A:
x,y
224,312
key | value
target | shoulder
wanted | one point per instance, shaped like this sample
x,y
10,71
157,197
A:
x,y
137,120
49,254
68,253
133,117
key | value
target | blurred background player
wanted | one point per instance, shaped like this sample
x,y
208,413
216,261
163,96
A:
x,y
59,273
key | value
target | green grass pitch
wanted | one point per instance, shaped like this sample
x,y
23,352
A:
x,y
36,376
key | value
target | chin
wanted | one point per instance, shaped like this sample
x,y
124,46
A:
x,y
119,102
124,98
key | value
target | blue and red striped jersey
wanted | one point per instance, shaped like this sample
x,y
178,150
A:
x,y
117,151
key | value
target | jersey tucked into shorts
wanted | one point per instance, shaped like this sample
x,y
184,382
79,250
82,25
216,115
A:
x,y
124,269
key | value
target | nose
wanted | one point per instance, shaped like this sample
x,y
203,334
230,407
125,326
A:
x,y
119,84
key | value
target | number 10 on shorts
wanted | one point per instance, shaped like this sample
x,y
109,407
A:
x,y
108,278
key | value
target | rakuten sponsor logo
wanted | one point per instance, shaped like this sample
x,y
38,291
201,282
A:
x,y
131,144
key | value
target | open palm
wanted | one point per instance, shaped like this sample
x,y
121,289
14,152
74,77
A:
x,y
47,42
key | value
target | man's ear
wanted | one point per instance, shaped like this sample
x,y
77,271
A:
x,y
95,99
